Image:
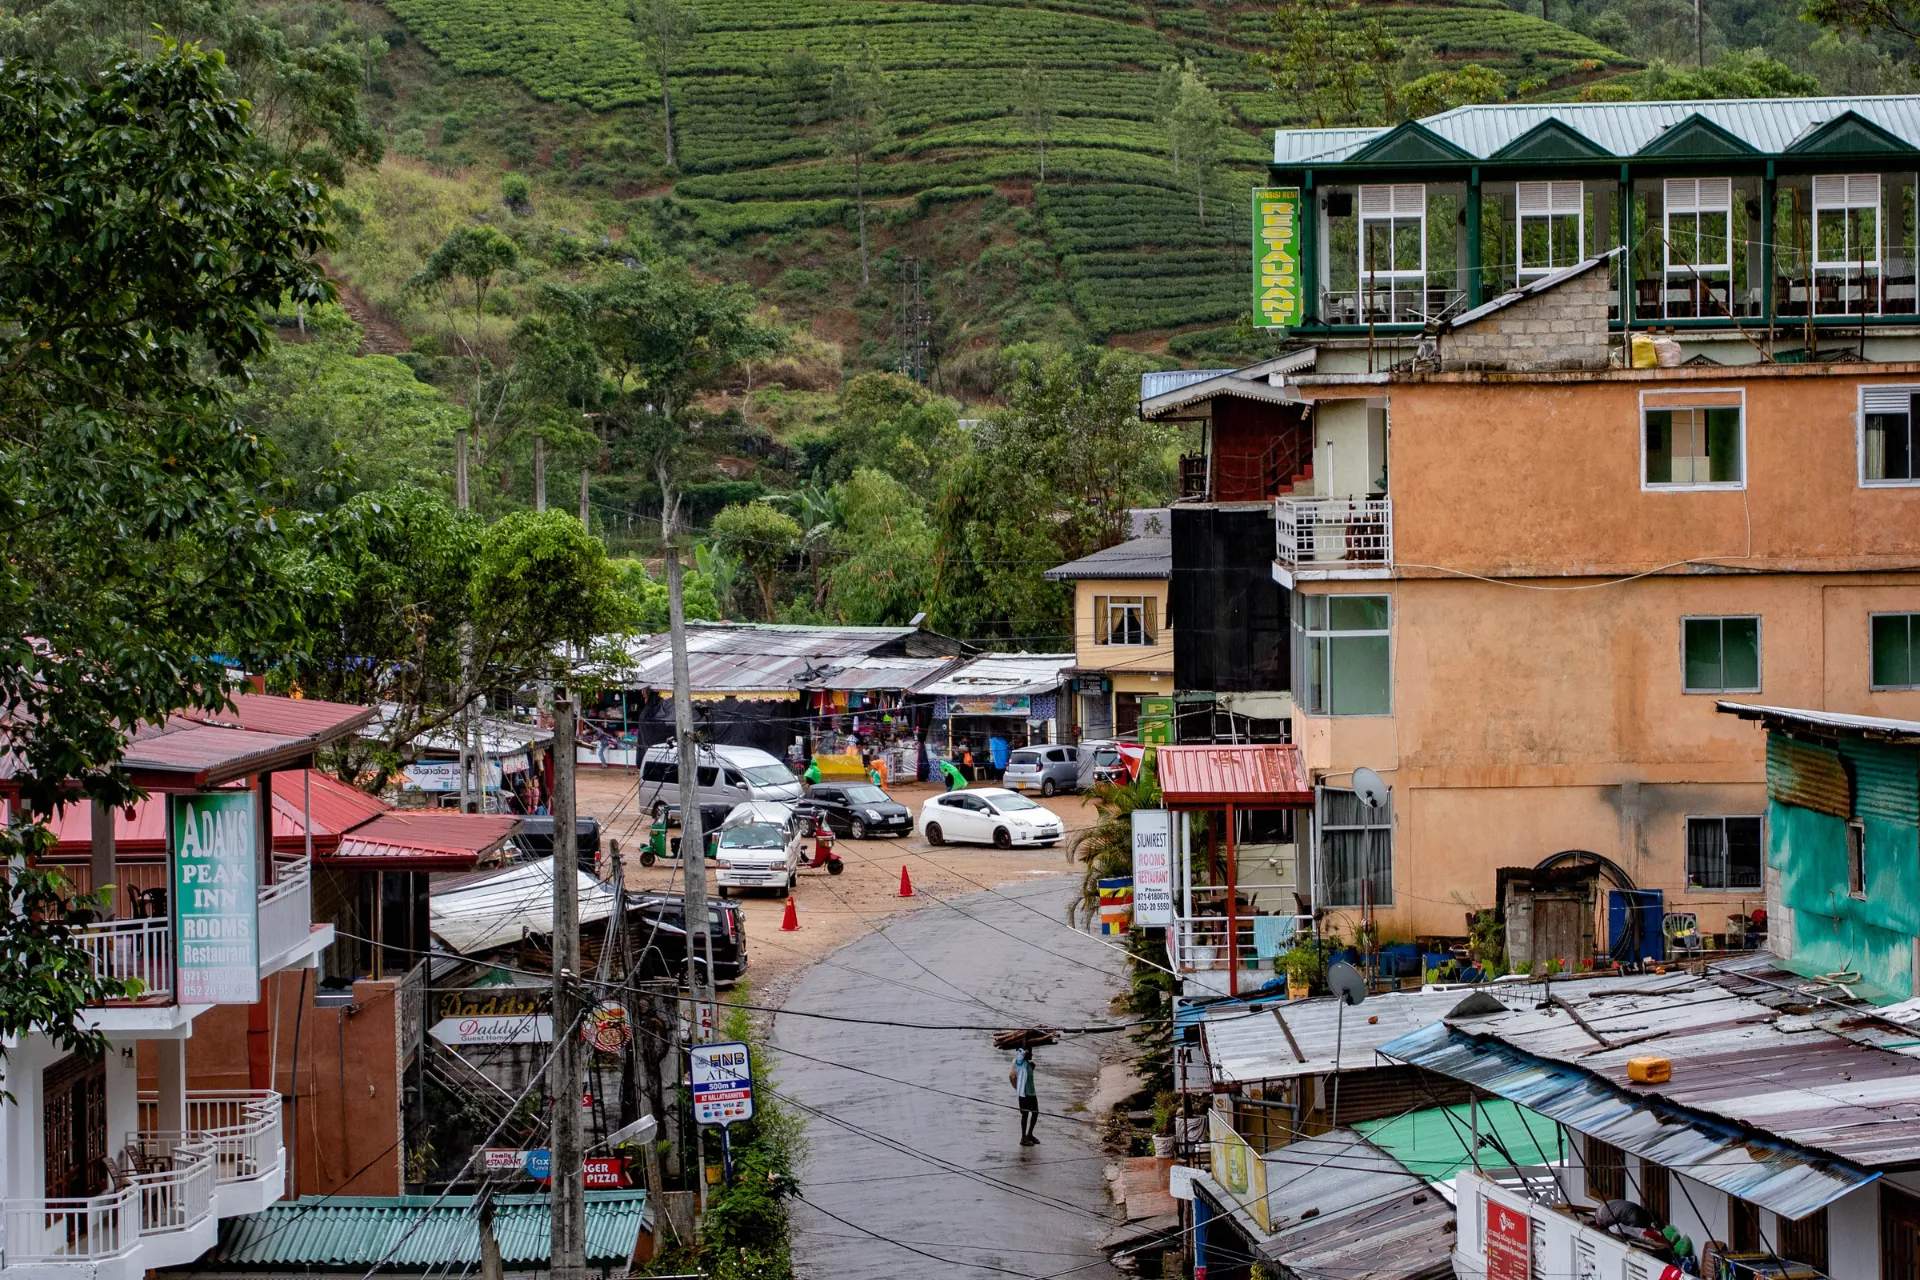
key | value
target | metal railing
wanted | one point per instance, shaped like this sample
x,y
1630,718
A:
x,y
286,907
178,1194
71,1230
1333,536
138,949
1199,943
240,1130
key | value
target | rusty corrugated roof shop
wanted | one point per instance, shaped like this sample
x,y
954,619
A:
x,y
1269,774
757,659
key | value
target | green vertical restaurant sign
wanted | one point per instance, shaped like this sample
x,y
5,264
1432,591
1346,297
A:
x,y
215,904
1279,294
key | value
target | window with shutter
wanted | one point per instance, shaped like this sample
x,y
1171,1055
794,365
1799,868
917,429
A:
x,y
1846,220
1887,416
1699,226
1550,226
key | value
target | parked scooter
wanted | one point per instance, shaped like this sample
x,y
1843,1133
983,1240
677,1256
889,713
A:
x,y
823,854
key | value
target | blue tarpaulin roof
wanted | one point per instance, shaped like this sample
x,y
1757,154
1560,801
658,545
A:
x,y
1733,1159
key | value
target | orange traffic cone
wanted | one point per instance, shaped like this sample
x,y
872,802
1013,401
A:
x,y
906,882
790,921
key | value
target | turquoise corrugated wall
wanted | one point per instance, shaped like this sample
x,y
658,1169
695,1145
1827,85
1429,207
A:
x,y
1833,931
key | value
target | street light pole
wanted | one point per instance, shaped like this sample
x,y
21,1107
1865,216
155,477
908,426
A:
x,y
568,1074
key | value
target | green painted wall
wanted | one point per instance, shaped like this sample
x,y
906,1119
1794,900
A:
x,y
1833,931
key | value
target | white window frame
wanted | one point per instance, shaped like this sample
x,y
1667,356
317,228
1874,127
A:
x,y
1759,655
1686,876
1853,191
1735,398
1697,196
1885,391
1383,821
1545,201
1397,198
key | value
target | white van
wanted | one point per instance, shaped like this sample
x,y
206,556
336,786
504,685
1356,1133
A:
x,y
728,776
758,847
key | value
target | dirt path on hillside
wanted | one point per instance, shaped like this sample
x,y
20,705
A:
x,y
835,910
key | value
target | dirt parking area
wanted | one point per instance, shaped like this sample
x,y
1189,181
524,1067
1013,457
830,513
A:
x,y
834,910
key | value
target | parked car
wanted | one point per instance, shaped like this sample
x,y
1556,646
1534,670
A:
x,y
759,847
659,924
534,839
1100,762
989,815
728,775
1048,770
856,810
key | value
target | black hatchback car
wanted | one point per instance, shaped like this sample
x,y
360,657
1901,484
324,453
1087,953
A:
x,y
856,809
659,924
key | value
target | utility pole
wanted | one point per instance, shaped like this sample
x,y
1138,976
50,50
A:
x,y
585,523
463,499
567,1076
539,473
1699,34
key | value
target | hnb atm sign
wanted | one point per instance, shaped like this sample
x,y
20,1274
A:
x,y
1279,293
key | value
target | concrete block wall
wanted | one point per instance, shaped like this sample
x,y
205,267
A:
x,y
1564,327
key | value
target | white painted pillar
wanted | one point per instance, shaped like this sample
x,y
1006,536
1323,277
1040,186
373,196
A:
x,y
173,1085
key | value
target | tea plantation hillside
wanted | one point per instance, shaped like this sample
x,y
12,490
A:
x,y
1112,241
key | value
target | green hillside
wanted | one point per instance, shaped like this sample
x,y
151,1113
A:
x,y
1112,242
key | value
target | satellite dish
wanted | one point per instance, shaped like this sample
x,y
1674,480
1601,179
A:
x,y
1368,786
1345,981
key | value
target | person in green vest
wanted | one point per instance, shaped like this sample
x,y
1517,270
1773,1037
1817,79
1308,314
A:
x,y
812,775
951,772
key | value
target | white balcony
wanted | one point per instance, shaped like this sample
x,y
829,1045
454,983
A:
x,y
158,1213
137,949
240,1131
1327,538
1200,950
287,933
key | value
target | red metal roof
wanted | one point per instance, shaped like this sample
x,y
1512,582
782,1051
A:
x,y
323,722
337,807
1271,775
423,840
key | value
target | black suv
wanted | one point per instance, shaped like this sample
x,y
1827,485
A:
x,y
856,809
659,924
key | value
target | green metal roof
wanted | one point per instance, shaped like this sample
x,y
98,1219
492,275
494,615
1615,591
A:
x,y
357,1232
1434,1143
1809,129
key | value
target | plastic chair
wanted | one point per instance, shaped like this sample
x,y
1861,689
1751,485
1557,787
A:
x,y
1682,930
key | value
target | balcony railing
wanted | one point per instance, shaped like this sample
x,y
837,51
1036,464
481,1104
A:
x,y
1333,537
286,908
140,949
239,1129
157,1194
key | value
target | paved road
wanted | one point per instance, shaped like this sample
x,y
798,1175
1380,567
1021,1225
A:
x,y
945,1175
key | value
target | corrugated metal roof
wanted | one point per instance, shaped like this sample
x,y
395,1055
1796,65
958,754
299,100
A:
x,y
1730,1157
1269,773
881,673
1245,1046
1003,673
337,808
1342,1209
1886,781
1162,381
1826,723
1438,1142
499,736
757,658
357,1232
1150,557
297,717
477,915
1769,125
424,840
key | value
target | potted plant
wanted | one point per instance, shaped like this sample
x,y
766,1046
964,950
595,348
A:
x,y
1305,964
1166,1109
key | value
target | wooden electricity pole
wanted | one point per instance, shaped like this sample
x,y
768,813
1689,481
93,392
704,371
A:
x,y
567,1076
539,473
463,499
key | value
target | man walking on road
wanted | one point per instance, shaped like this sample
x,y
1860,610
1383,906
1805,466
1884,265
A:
x,y
1021,1078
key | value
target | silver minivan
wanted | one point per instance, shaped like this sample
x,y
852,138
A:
x,y
1046,769
728,776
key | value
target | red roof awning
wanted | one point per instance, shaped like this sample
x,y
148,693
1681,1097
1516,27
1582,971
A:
x,y
202,749
423,840
337,809
1268,776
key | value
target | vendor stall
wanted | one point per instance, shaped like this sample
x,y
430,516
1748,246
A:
x,y
998,703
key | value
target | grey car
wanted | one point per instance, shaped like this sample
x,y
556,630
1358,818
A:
x,y
1048,770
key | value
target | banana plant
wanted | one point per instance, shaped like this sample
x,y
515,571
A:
x,y
721,569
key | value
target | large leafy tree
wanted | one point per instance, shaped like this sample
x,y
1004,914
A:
x,y
140,242
390,581
763,538
299,65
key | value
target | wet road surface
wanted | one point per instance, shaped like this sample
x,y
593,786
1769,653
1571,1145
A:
x,y
924,1149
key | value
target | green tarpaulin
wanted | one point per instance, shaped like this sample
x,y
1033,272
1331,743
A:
x,y
1435,1143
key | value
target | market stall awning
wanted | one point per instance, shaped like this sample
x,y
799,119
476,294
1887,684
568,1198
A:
x,y
414,840
1267,775
486,911
1736,1159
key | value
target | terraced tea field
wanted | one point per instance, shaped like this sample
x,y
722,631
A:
x,y
1123,229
